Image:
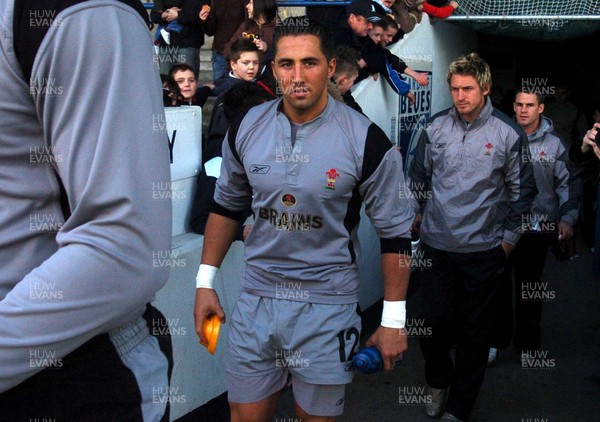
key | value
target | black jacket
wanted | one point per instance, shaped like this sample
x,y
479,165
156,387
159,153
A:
x,y
192,34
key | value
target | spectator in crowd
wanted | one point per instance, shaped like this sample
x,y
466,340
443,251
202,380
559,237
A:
x,y
474,190
235,102
163,32
185,78
244,64
553,214
581,155
259,28
406,13
346,71
383,7
184,46
81,165
352,30
225,18
264,167
590,142
440,9
392,32
354,25
391,66
589,179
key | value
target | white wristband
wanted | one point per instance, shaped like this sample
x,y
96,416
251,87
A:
x,y
394,314
206,276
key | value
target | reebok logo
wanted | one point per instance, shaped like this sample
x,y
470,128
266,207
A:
x,y
259,168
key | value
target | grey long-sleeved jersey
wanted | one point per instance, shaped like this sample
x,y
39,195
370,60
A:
x,y
306,197
557,198
474,181
88,113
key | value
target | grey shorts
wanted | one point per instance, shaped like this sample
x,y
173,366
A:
x,y
275,342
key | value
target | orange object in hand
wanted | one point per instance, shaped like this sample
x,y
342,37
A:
x,y
210,330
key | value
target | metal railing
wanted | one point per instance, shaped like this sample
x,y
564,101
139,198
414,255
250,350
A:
x,y
294,3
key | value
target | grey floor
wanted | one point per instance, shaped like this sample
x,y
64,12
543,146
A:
x,y
567,389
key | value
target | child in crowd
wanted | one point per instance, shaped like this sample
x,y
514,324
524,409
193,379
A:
x,y
388,64
235,102
236,93
185,78
244,62
390,33
346,72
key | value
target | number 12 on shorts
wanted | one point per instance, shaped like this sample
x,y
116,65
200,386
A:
x,y
345,337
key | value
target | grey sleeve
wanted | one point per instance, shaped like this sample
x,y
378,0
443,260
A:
x,y
566,188
382,187
113,163
419,174
520,184
233,191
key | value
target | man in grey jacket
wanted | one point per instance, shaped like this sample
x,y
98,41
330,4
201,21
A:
x,y
554,212
473,165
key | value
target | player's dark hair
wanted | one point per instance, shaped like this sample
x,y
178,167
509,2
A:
x,y
295,27
531,90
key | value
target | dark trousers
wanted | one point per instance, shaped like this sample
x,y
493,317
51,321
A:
x,y
460,298
527,262
90,384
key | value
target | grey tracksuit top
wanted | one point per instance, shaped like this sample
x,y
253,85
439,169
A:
x,y
306,197
480,177
86,114
557,199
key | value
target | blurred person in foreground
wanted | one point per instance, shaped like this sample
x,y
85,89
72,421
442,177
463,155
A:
x,y
81,163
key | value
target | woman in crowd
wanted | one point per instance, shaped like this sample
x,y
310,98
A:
x,y
259,27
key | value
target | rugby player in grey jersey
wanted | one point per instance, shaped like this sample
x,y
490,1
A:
x,y
296,320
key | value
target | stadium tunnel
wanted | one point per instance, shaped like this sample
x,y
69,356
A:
x,y
547,41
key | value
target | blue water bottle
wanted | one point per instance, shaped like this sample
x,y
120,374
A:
x,y
368,361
